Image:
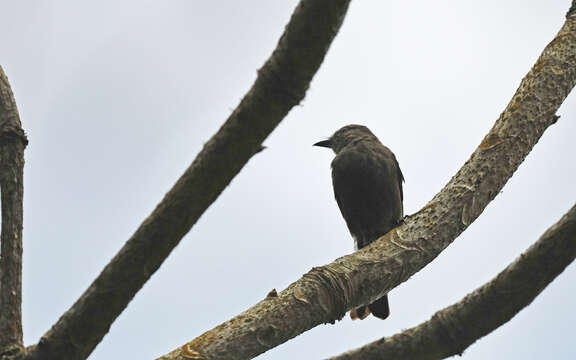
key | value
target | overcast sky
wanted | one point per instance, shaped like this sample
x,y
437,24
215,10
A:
x,y
117,97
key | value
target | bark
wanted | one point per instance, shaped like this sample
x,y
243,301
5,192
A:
x,y
450,331
12,144
281,83
324,294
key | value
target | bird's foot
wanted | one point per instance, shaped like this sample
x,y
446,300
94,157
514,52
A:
x,y
403,220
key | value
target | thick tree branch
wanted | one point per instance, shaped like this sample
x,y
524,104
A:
x,y
282,83
451,330
12,144
324,294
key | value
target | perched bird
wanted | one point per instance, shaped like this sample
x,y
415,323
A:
x,y
367,185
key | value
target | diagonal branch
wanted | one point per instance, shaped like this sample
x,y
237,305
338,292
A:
x,y
12,144
324,294
282,83
450,331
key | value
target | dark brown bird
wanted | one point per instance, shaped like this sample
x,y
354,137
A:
x,y
368,188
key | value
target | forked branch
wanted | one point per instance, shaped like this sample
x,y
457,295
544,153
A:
x,y
324,294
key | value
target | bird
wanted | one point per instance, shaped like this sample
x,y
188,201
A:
x,y
367,183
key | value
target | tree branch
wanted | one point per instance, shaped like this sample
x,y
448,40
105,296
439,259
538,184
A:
x,y
324,294
450,331
282,83
572,9
12,144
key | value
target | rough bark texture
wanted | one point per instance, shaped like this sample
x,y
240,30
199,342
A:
x,y
12,144
324,294
282,83
450,331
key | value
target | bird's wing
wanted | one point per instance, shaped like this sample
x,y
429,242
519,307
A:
x,y
400,178
368,191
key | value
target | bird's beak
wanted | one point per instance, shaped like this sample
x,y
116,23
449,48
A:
x,y
324,143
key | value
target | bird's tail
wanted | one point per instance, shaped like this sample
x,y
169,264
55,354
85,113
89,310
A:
x,y
378,308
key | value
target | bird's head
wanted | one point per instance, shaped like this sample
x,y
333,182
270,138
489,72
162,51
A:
x,y
349,134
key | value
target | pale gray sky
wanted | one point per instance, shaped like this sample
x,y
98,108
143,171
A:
x,y
118,97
